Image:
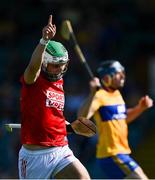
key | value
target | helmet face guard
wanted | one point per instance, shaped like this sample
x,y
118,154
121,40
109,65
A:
x,y
110,67
53,77
55,53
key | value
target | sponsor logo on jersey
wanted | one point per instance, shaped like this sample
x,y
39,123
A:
x,y
121,112
55,100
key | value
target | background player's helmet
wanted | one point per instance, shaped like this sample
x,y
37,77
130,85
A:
x,y
109,67
55,53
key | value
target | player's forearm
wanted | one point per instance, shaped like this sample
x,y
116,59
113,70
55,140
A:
x,y
133,113
84,110
37,57
33,69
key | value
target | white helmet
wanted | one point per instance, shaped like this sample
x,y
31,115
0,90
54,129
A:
x,y
55,53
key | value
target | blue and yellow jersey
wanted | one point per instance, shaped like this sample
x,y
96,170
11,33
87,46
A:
x,y
110,119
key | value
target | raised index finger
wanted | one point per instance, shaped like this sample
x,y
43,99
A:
x,y
50,19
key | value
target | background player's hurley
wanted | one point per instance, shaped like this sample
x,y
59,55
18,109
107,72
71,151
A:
x,y
68,34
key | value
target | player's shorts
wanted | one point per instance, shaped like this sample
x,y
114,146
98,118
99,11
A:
x,y
118,166
43,164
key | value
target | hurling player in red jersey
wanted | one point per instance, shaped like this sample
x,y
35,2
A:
x,y
45,153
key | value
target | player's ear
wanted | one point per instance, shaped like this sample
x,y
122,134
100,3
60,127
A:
x,y
106,80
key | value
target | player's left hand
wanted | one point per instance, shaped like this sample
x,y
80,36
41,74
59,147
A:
x,y
145,102
49,31
83,126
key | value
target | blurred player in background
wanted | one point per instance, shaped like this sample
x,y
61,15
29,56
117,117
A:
x,y
108,108
45,153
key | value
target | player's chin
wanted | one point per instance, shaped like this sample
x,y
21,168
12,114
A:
x,y
120,86
122,82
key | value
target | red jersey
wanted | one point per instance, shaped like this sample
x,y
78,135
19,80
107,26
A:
x,y
42,120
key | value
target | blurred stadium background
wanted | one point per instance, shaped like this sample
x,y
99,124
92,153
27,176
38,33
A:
x,y
105,29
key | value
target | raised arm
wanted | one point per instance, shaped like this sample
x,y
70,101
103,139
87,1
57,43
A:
x,y
144,103
87,110
33,69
